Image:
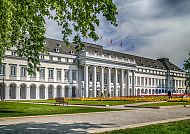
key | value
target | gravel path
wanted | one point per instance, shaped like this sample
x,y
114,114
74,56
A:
x,y
89,122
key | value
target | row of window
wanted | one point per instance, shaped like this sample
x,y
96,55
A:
x,y
151,71
141,81
159,72
51,71
55,58
105,78
51,58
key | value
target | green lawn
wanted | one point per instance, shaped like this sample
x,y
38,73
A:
x,y
167,104
179,127
85,102
13,109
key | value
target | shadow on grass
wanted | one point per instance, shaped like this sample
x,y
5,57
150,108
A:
x,y
51,128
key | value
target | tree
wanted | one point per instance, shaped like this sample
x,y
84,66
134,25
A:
x,y
22,24
187,69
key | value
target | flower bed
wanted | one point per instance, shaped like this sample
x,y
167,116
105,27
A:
x,y
151,98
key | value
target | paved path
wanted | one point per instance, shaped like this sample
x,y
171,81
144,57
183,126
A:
x,y
89,122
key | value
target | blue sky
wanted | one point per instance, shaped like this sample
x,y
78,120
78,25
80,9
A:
x,y
155,29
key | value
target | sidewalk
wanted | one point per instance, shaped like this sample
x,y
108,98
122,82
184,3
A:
x,y
92,122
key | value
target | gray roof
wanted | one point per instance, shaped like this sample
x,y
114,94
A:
x,y
52,44
162,63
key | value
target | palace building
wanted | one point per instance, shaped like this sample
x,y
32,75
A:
x,y
94,72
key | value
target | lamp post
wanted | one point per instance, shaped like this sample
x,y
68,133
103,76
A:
x,y
2,98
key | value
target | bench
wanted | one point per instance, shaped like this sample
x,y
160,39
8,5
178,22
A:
x,y
60,100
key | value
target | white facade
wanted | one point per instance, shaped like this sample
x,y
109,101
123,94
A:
x,y
84,75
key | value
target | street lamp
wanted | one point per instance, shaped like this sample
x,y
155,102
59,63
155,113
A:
x,y
2,98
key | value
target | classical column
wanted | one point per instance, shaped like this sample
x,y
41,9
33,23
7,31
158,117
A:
x,y
37,75
70,76
94,81
18,73
115,83
127,83
109,82
140,81
133,83
86,81
7,71
17,93
27,93
70,91
122,83
102,80
46,74
37,93
7,97
55,92
46,92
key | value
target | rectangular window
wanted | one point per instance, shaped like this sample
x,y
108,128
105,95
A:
x,y
176,83
138,80
179,83
59,74
142,81
160,82
163,83
13,53
23,71
51,58
66,74
42,72
50,75
156,82
13,70
153,81
98,77
90,77
150,81
2,69
105,78
118,78
59,58
130,79
146,81
166,83
112,78
173,83
74,74
41,57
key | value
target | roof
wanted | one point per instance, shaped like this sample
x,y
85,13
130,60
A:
x,y
52,44
163,63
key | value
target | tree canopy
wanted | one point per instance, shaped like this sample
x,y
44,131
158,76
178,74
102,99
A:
x,y
187,69
22,23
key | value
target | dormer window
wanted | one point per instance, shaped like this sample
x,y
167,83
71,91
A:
x,y
58,45
56,50
13,53
42,57
71,52
51,58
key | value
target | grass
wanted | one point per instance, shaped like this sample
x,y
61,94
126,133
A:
x,y
84,102
179,127
167,104
13,109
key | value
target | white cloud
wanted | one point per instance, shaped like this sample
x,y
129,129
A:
x,y
157,28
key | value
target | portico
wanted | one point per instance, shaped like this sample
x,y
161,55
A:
x,y
106,76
